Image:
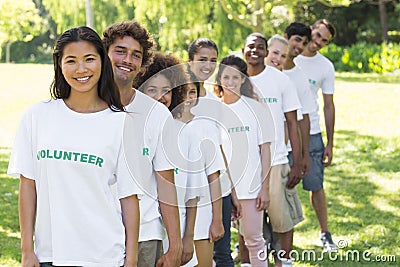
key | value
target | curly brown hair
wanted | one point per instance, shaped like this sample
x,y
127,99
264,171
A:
x,y
135,30
173,69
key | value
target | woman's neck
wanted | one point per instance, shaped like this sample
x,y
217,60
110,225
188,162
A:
x,y
83,103
186,117
230,98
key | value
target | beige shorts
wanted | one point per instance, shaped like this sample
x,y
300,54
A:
x,y
285,208
149,252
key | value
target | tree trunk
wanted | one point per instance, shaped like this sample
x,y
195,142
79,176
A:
x,y
89,14
383,17
8,52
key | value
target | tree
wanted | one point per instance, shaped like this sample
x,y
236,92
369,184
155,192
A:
x,y
89,14
97,14
20,21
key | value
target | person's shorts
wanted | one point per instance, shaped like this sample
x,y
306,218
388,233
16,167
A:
x,y
285,207
149,252
315,178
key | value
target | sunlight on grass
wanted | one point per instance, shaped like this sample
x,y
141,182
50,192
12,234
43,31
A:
x,y
368,77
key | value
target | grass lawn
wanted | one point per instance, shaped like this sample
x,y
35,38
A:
x,y
362,185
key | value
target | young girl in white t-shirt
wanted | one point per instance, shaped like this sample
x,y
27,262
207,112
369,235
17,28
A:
x,y
248,132
69,156
203,54
165,81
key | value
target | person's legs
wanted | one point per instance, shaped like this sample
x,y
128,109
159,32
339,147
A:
x,y
204,252
251,226
244,252
284,209
318,202
313,182
272,239
222,247
149,252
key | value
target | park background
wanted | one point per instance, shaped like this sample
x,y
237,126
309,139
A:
x,y
363,184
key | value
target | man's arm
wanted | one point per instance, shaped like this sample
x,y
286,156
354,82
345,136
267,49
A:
x,y
329,114
304,126
168,202
291,120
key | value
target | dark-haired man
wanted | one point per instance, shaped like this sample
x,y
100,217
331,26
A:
x,y
321,75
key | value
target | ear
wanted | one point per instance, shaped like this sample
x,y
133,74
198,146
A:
x,y
286,37
243,50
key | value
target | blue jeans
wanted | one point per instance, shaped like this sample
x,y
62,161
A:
x,y
222,248
315,178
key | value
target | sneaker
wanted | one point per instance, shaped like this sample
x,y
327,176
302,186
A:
x,y
287,262
327,242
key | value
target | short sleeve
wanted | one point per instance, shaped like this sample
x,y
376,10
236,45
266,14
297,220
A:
x,y
22,158
127,184
328,83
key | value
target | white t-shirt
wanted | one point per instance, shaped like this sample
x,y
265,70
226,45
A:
x,y
208,161
321,74
277,91
188,183
308,103
299,78
75,160
210,107
145,142
246,127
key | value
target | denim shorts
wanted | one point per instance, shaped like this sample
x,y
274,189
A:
x,y
315,178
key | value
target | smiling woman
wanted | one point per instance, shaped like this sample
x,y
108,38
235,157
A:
x,y
63,171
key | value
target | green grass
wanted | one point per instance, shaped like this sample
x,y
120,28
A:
x,y
369,77
362,185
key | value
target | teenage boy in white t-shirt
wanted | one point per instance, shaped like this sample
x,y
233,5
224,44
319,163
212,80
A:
x,y
129,47
321,74
278,92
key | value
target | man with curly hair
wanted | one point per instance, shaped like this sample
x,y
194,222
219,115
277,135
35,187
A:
x,y
130,49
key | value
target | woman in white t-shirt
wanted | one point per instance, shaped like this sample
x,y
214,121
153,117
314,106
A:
x,y
165,81
246,142
69,155
203,54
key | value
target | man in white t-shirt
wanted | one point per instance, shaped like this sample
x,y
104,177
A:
x,y
129,48
277,91
298,35
321,75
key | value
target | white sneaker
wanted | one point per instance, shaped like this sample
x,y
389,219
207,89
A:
x,y
287,262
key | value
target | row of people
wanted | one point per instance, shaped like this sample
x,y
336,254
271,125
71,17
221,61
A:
x,y
189,190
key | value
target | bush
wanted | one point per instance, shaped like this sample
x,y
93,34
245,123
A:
x,y
364,57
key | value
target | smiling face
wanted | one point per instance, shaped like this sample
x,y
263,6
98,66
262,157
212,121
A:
x,y
231,80
320,37
254,51
81,67
297,44
159,88
204,63
126,57
277,54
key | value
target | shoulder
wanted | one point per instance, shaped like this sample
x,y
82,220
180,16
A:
x,y
47,106
253,104
324,60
